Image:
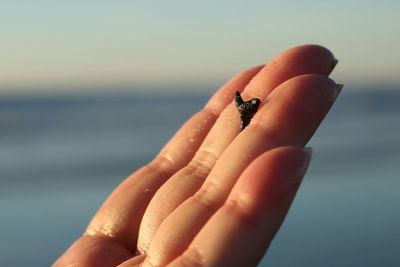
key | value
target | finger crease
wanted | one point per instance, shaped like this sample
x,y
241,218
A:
x,y
211,111
237,209
102,232
163,163
202,163
210,196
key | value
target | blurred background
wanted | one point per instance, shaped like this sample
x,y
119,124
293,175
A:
x,y
75,75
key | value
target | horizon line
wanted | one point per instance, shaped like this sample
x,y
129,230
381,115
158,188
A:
x,y
172,87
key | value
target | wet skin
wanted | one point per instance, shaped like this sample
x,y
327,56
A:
x,y
246,109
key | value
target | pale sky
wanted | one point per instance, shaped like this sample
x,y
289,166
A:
x,y
61,45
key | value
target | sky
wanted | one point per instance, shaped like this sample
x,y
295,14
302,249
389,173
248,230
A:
x,y
67,45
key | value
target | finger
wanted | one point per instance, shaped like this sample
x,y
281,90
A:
x,y
96,251
290,116
293,62
308,59
120,215
133,262
182,147
241,230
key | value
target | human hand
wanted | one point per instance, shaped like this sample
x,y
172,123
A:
x,y
215,196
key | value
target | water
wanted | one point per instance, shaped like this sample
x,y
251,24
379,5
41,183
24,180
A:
x,y
60,156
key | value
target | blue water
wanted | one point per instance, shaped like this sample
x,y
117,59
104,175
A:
x,y
61,155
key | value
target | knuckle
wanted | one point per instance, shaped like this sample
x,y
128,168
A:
x,y
202,163
239,211
162,163
210,196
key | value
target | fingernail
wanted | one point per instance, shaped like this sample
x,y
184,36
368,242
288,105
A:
x,y
333,64
337,89
306,161
308,150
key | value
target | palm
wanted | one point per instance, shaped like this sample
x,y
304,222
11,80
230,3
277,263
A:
x,y
203,198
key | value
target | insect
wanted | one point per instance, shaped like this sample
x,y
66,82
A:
x,y
246,109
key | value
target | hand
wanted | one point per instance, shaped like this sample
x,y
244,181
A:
x,y
215,196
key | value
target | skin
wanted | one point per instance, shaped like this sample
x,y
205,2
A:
x,y
215,195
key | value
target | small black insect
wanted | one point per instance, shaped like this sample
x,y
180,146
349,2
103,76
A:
x,y
246,109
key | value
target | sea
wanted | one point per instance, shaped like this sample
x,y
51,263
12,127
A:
x,y
62,154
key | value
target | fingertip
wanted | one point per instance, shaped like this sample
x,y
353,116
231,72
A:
x,y
309,50
319,59
309,86
272,179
